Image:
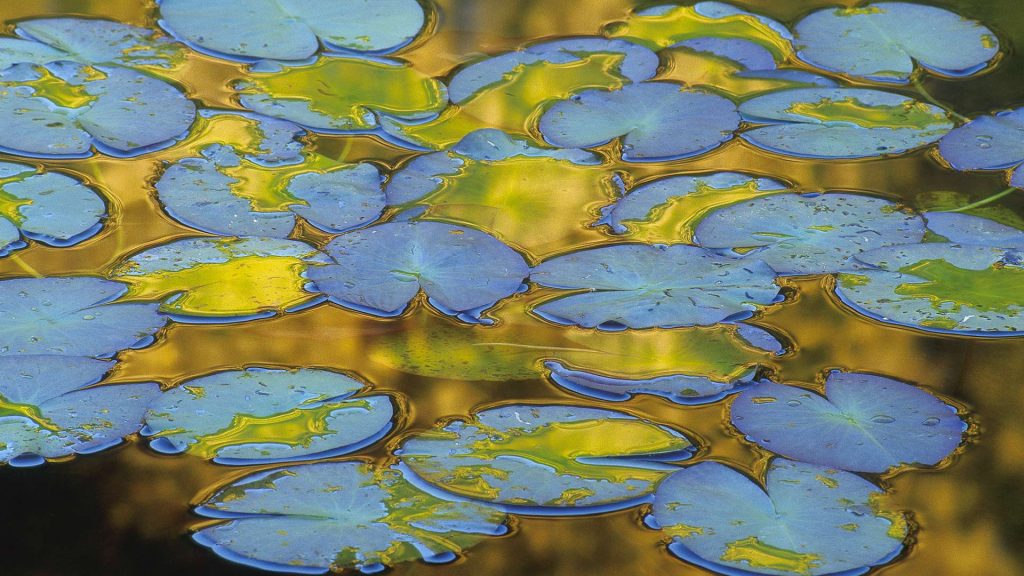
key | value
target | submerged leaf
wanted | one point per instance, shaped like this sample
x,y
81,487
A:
x,y
656,120
379,270
551,459
76,316
884,41
865,423
222,279
292,29
807,519
48,408
337,516
797,234
88,41
645,286
679,388
993,142
842,123
260,415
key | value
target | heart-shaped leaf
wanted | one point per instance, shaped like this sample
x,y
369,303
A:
x,y
806,519
993,142
88,41
379,270
644,286
260,415
864,423
884,41
336,516
656,121
842,123
49,408
679,388
797,234
546,459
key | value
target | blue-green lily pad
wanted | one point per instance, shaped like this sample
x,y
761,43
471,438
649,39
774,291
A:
x,y
842,122
76,316
51,208
49,408
64,110
337,516
546,459
940,287
645,286
88,41
379,270
806,519
994,142
967,229
884,41
656,121
292,29
864,423
817,234
260,415
687,389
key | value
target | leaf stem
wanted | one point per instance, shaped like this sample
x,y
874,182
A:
x,y
919,86
24,265
984,201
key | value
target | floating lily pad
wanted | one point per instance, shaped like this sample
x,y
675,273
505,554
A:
x,y
343,94
51,208
88,41
967,229
645,286
806,519
379,270
65,109
72,316
258,415
508,90
797,234
49,408
934,201
656,121
757,337
993,142
679,388
547,459
940,287
292,29
864,423
884,41
336,516
222,279
842,122
666,210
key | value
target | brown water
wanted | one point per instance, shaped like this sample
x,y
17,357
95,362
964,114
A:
x,y
127,511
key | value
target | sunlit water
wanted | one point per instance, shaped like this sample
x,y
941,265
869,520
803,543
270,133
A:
x,y
127,510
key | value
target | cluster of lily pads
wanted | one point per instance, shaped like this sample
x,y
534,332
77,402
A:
x,y
673,252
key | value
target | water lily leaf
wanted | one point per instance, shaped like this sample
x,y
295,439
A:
x,y
757,337
339,515
64,109
818,234
51,208
656,120
667,209
667,25
77,316
988,143
884,41
806,519
518,192
684,389
935,201
864,423
292,29
379,270
49,408
546,459
260,415
508,90
89,41
966,229
842,122
313,97
644,286
222,279
940,287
